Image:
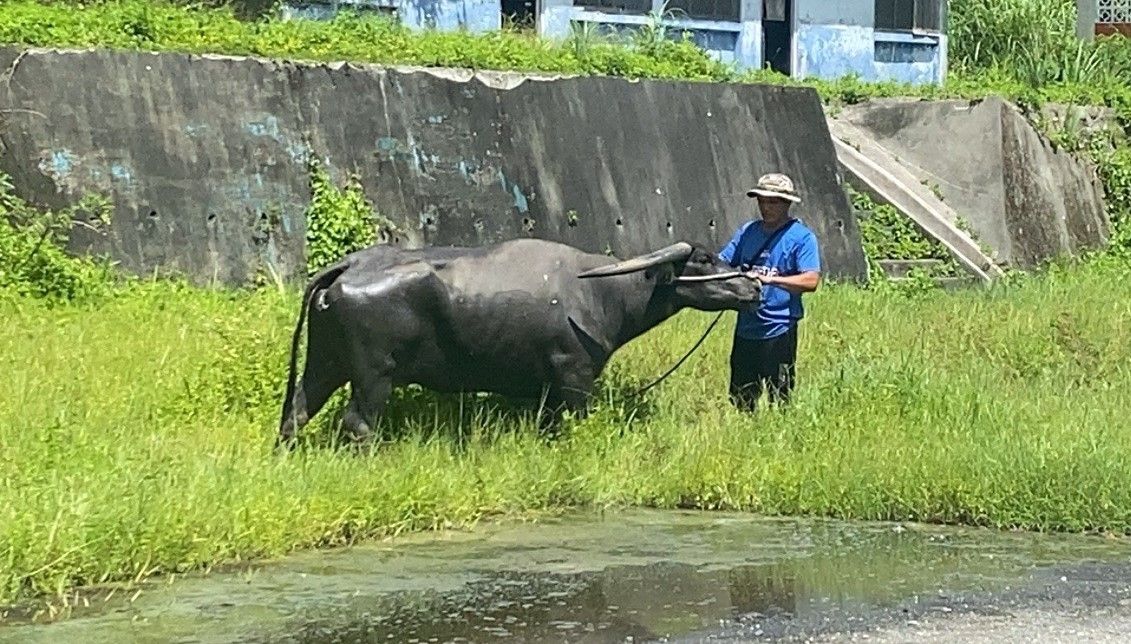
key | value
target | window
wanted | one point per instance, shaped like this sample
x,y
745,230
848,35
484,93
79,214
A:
x,y
727,10
774,10
1114,12
908,15
616,6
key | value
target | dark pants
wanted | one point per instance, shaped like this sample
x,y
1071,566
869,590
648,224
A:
x,y
760,365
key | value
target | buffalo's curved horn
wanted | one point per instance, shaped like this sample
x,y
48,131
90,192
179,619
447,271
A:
x,y
671,253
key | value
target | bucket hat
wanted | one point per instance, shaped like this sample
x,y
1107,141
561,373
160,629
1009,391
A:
x,y
775,185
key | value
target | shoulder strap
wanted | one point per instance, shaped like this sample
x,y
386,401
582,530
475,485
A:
x,y
772,239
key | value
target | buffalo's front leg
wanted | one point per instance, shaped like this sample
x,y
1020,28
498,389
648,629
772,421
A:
x,y
569,391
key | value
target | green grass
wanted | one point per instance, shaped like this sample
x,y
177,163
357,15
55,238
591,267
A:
x,y
136,437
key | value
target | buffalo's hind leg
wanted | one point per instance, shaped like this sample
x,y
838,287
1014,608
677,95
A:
x,y
367,402
312,391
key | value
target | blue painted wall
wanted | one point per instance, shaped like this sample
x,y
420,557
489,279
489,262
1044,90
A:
x,y
834,38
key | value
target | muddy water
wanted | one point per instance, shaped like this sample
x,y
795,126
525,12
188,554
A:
x,y
621,576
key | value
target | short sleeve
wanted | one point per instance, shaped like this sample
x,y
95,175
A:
x,y
808,255
727,254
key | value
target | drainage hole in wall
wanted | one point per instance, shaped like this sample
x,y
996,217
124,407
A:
x,y
211,217
711,224
153,214
619,222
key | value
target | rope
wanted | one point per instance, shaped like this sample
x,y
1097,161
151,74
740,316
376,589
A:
x,y
683,359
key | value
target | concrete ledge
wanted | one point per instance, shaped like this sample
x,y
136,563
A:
x,y
1023,197
880,174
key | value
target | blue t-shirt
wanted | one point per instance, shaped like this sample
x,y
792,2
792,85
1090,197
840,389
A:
x,y
795,251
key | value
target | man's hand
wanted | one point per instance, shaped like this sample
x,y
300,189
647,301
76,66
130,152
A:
x,y
801,283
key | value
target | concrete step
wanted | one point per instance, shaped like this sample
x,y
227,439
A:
x,y
948,284
897,268
875,171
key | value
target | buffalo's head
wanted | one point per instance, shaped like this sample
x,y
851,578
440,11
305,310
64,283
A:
x,y
697,277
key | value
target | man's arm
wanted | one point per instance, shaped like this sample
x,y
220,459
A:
x,y
808,276
806,282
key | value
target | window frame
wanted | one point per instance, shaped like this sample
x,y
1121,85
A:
x,y
596,6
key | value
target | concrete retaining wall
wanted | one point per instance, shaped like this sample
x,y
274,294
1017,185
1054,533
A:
x,y
1023,198
205,157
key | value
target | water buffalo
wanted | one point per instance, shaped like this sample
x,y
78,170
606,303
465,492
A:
x,y
521,318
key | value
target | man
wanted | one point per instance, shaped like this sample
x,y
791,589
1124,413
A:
x,y
784,255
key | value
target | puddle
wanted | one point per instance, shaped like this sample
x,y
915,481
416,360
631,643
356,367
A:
x,y
635,576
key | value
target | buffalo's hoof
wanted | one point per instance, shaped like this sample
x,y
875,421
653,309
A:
x,y
285,442
359,440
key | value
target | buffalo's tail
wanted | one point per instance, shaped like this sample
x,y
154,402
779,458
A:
x,y
322,279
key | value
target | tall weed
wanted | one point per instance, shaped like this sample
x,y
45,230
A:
x,y
33,257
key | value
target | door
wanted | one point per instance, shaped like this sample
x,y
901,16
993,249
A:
x,y
777,35
520,14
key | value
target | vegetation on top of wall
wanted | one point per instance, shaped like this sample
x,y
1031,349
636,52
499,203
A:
x,y
161,26
1022,49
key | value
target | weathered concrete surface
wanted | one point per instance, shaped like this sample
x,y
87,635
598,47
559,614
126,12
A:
x,y
205,156
874,171
1023,198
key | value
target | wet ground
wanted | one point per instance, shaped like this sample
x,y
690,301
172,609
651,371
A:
x,y
643,576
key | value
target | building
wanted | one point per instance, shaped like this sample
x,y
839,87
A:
x,y
899,40
1103,18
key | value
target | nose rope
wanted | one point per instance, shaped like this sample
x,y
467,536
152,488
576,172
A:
x,y
711,327
681,360
712,278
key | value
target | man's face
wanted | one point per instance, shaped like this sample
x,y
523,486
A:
x,y
773,208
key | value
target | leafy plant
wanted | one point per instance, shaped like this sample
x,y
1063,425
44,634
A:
x,y
33,257
338,222
887,234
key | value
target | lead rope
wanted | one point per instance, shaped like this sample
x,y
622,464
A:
x,y
683,359
770,241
